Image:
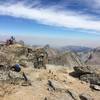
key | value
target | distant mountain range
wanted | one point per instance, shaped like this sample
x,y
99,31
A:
x,y
76,48
73,55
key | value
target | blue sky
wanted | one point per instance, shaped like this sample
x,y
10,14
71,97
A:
x,y
55,22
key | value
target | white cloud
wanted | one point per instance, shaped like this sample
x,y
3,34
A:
x,y
51,16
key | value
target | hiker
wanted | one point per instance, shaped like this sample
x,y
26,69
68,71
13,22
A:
x,y
17,68
40,58
39,62
12,38
10,41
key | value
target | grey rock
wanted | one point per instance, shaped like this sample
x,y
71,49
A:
x,y
85,97
91,78
74,94
88,74
95,87
4,75
14,75
65,97
60,97
84,70
56,86
10,77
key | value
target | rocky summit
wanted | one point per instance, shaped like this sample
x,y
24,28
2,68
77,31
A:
x,y
28,73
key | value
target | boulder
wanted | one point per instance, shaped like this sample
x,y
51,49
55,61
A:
x,y
85,97
61,96
80,70
4,76
15,75
95,87
91,78
73,94
4,73
88,73
8,76
56,86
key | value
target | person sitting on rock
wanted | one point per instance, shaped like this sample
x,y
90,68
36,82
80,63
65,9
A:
x,y
18,69
10,41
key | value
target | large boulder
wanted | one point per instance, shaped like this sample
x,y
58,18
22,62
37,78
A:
x,y
8,76
88,73
91,78
86,70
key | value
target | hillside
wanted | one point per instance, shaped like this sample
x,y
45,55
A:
x,y
92,57
67,58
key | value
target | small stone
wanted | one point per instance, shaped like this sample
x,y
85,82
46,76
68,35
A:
x,y
73,94
95,87
2,92
85,97
45,98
